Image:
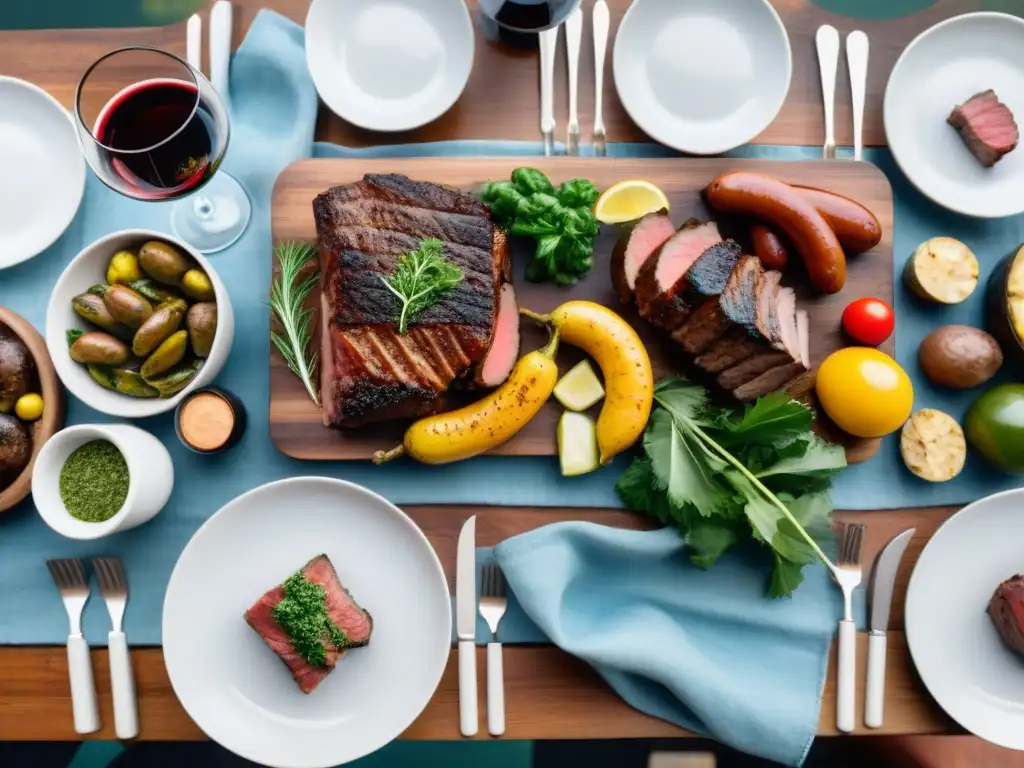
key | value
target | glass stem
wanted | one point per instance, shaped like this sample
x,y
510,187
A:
x,y
203,206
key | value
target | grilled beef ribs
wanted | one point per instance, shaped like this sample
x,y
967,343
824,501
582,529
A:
x,y
987,127
368,371
355,624
633,250
1006,608
661,285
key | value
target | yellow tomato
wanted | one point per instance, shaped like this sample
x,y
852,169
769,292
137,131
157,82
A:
x,y
864,391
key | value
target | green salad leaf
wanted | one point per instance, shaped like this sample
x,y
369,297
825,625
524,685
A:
x,y
720,476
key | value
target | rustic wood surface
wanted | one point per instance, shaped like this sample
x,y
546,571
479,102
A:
x,y
53,403
295,422
501,98
550,695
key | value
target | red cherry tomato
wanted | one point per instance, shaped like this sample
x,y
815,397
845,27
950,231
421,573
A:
x,y
868,321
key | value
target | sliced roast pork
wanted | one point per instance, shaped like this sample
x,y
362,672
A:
x,y
1006,609
987,127
633,250
355,626
660,287
369,372
504,352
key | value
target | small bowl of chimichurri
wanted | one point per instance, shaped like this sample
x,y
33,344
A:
x,y
96,479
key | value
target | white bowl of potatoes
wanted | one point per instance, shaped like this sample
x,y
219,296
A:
x,y
138,320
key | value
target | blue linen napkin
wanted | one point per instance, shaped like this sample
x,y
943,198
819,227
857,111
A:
x,y
702,649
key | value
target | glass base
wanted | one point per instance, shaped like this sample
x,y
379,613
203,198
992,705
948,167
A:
x,y
214,217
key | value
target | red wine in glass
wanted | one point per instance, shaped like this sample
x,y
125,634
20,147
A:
x,y
153,128
161,138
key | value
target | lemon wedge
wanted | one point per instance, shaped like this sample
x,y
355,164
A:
x,y
629,200
577,444
579,388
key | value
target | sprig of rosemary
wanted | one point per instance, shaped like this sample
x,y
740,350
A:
x,y
421,280
288,301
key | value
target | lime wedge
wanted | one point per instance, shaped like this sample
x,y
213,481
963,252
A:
x,y
579,388
577,444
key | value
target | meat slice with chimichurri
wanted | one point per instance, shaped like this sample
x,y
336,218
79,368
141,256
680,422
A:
x,y
310,621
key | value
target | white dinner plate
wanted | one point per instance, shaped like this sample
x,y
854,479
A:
x,y
43,171
943,67
389,65
702,76
955,647
238,691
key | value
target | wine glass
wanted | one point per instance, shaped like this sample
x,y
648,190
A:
x,y
153,128
528,15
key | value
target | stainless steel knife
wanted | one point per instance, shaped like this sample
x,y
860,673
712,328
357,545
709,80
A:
x,y
883,579
465,626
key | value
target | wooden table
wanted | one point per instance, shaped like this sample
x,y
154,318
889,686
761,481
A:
x,y
550,695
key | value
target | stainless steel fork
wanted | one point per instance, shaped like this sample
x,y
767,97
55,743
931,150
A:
x,y
493,604
69,576
114,587
848,575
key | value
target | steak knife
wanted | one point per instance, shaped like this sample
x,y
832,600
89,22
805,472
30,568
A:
x,y
883,579
465,627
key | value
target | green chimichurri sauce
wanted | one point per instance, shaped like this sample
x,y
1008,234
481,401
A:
x,y
303,615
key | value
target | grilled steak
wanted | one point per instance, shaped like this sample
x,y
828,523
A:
x,y
368,371
733,347
633,250
987,127
354,623
504,352
751,368
1006,608
771,381
739,300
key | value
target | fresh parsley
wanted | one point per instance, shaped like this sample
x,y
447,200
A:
x,y
288,295
559,219
720,476
421,280
303,615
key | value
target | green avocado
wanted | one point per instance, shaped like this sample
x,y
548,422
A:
x,y
995,427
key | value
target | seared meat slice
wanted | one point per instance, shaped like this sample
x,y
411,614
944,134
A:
x,y
704,326
739,300
783,324
803,329
660,281
634,249
504,352
1006,608
987,127
767,291
368,371
766,383
735,346
751,368
354,623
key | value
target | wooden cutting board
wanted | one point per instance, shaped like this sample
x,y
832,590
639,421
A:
x,y
295,422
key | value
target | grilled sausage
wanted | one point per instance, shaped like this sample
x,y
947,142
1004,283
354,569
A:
x,y
856,227
777,203
768,247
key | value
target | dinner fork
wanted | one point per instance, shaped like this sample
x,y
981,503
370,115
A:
x,y
847,574
69,576
114,588
493,604
573,41
548,48
827,42
601,24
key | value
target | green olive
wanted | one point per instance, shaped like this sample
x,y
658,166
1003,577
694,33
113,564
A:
x,y
163,262
166,356
123,268
127,306
175,380
196,284
202,326
162,323
154,291
99,348
90,307
123,380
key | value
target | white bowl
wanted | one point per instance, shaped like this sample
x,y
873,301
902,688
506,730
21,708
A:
x,y
90,267
150,478
702,76
389,65
944,66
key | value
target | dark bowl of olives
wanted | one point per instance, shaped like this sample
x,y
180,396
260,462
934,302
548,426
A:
x,y
138,320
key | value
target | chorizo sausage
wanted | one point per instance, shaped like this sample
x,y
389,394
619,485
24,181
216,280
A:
x,y
768,247
856,227
774,202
